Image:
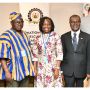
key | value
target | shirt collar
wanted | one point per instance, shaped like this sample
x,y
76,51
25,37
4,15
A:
x,y
77,33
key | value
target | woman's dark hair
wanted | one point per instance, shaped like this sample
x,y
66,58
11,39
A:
x,y
42,22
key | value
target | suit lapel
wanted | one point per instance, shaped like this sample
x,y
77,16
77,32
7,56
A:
x,y
70,40
80,40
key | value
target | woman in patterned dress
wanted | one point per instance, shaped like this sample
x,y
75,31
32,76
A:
x,y
47,55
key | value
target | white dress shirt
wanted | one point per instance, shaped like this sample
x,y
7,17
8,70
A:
x,y
77,35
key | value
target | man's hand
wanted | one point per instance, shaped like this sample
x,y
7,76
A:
x,y
7,73
88,76
8,76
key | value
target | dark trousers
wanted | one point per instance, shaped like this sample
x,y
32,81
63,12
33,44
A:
x,y
2,83
72,81
26,82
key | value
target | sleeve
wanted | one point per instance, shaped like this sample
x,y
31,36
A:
x,y
35,51
88,57
4,47
59,51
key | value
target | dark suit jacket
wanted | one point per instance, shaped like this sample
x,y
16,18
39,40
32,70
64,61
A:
x,y
77,62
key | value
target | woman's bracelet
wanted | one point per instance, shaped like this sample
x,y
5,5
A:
x,y
57,67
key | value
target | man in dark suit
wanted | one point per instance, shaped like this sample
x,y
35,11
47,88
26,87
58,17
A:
x,y
76,58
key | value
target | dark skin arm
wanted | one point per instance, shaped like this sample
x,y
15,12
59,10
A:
x,y
7,73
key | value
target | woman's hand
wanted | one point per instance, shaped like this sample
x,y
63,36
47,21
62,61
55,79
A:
x,y
56,73
35,68
36,72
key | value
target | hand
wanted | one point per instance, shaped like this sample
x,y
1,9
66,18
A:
x,y
62,77
63,82
36,72
56,73
88,76
8,76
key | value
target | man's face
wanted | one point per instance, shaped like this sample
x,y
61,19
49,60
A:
x,y
17,24
75,23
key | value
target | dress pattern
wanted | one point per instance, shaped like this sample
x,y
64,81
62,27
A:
x,y
45,69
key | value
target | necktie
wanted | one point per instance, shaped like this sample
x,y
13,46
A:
x,y
74,42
